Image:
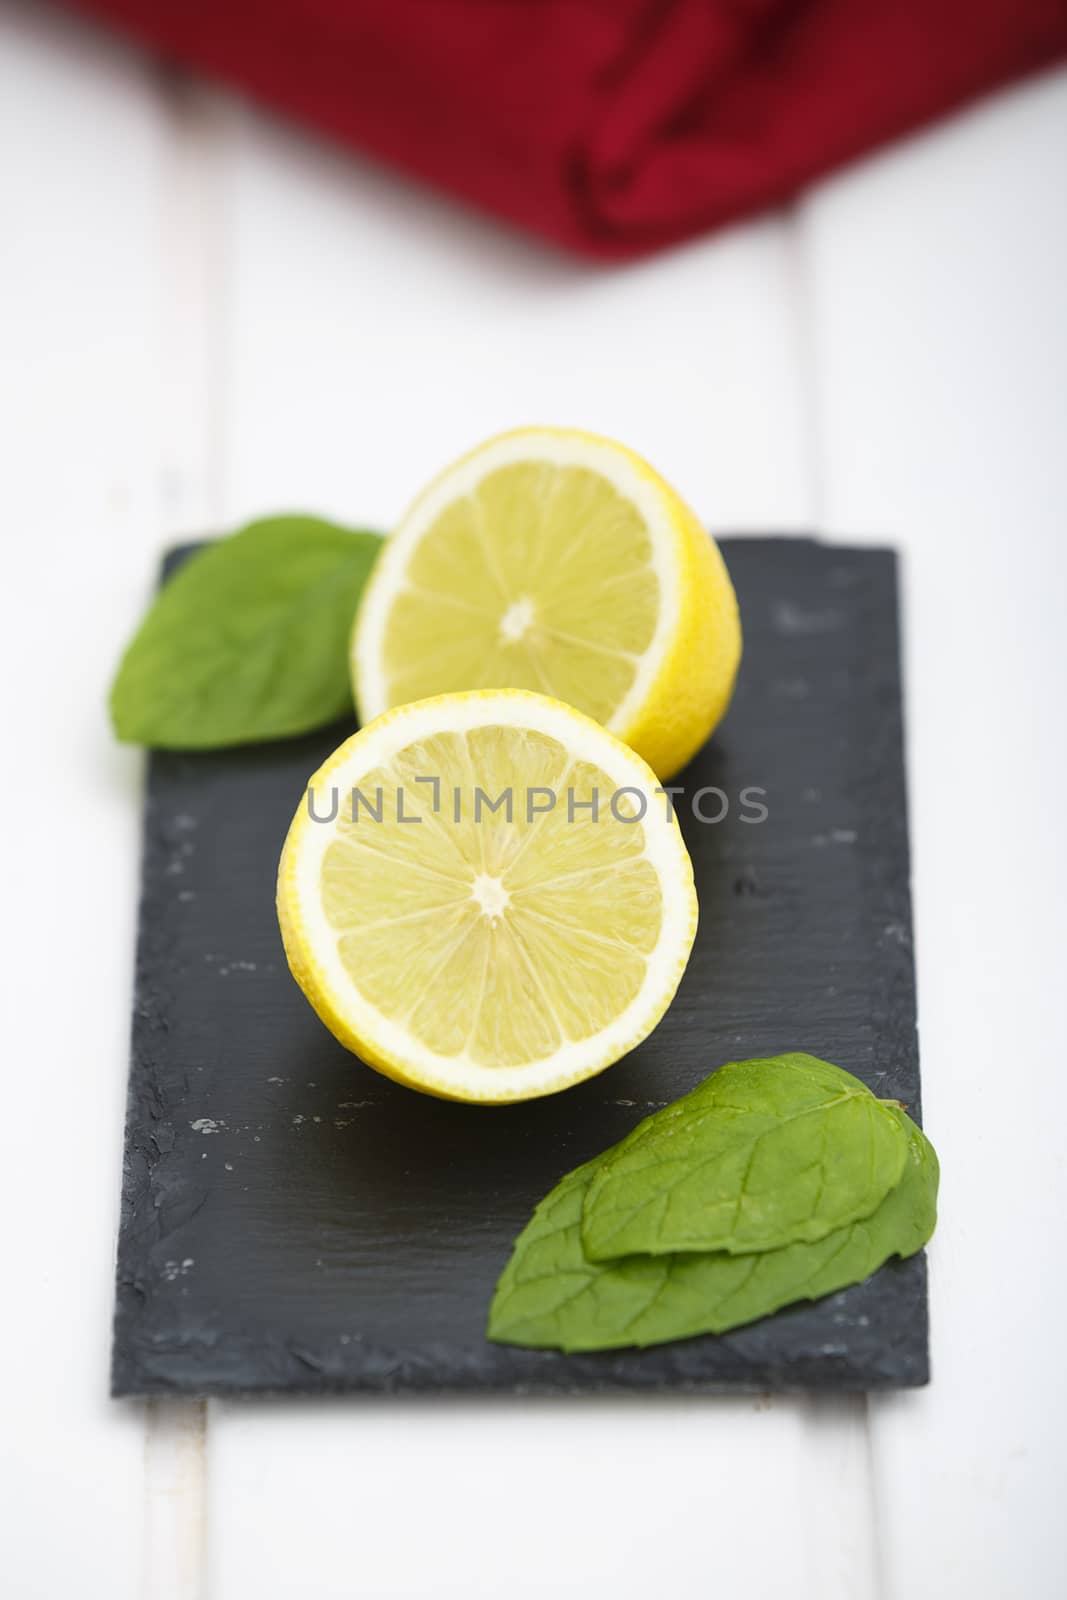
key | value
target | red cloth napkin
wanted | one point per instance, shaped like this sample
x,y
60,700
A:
x,y
611,126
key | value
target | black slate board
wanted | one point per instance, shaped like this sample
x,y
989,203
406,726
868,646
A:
x,y
293,1221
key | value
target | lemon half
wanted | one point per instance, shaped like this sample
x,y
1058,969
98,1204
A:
x,y
552,560
474,948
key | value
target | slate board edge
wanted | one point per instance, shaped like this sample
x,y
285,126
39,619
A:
x,y
197,1366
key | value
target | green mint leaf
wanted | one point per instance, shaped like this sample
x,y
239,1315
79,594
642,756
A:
x,y
551,1296
761,1154
248,640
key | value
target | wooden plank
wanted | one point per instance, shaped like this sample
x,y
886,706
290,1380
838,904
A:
x,y
626,1499
80,136
191,277
377,331
937,275
175,1531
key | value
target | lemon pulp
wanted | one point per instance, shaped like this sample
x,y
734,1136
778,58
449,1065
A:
x,y
481,937
539,609
487,897
558,562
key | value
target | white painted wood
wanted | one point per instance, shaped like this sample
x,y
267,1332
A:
x,y
192,290
839,1554
574,1498
191,285
80,134
378,330
113,264
174,1551
204,316
939,322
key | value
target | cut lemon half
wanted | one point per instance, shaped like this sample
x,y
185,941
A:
x,y
553,560
486,896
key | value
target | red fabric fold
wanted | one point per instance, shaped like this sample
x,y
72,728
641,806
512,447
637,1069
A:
x,y
611,126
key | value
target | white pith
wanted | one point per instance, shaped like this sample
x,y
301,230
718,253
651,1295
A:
x,y
490,894
376,746
527,445
517,619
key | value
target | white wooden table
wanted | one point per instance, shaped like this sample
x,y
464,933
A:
x,y
205,315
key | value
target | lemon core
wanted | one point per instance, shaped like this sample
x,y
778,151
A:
x,y
517,620
491,895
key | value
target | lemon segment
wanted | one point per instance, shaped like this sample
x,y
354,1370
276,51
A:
x,y
485,896
555,561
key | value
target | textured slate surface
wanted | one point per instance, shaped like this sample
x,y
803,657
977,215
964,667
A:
x,y
293,1221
